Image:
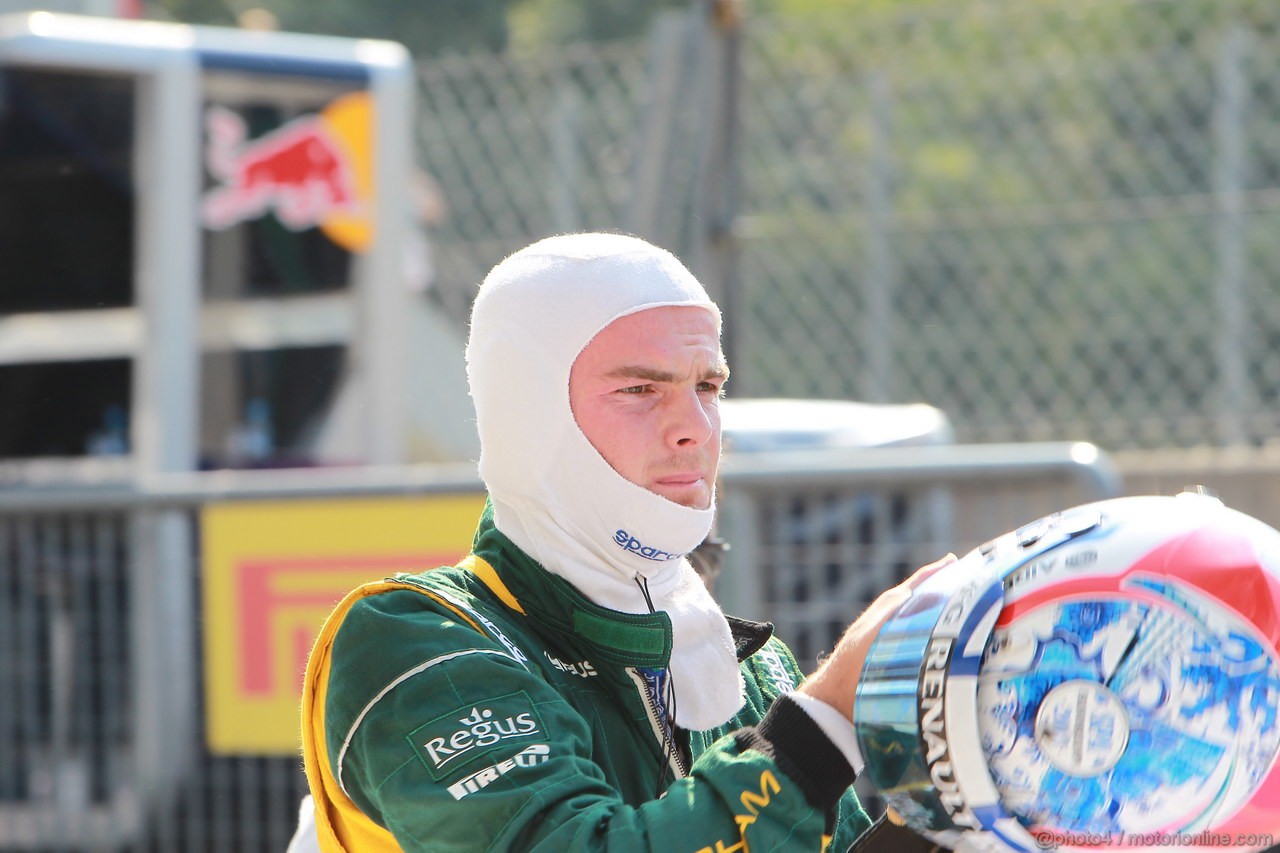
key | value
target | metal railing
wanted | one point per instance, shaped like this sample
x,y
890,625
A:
x,y
816,536
102,740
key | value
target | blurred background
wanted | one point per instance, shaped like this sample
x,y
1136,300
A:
x,y
980,260
1050,219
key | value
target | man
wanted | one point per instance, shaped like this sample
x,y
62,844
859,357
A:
x,y
572,685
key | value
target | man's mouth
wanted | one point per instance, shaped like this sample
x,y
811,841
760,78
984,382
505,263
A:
x,y
688,488
688,478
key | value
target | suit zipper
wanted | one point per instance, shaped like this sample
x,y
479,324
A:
x,y
662,732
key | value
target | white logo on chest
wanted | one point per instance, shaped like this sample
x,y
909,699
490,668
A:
x,y
582,669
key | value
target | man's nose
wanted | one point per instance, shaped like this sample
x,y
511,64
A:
x,y
691,424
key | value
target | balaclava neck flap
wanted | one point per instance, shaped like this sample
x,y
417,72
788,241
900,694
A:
x,y
553,494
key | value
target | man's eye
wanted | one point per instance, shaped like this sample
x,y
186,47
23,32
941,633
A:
x,y
712,388
633,389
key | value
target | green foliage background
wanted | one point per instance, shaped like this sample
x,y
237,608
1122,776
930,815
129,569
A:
x,y
432,28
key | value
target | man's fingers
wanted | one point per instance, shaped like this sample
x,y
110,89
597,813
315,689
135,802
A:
x,y
889,601
923,573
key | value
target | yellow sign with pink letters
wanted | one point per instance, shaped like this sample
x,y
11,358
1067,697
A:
x,y
272,571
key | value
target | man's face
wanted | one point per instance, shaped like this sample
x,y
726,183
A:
x,y
646,393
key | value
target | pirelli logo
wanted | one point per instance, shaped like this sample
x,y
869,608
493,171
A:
x,y
530,756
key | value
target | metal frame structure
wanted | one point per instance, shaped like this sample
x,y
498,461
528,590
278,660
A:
x,y
162,331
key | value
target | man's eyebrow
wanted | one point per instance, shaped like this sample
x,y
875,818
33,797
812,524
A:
x,y
716,371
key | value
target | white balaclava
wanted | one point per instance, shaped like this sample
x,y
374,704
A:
x,y
553,494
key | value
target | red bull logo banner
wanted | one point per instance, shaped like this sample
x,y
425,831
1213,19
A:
x,y
271,572
315,171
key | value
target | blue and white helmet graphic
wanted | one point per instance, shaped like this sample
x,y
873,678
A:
x,y
1105,677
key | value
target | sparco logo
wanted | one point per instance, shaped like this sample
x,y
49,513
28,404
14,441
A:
x,y
777,670
530,756
479,729
635,546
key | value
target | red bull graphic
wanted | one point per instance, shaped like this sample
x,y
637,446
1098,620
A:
x,y
314,171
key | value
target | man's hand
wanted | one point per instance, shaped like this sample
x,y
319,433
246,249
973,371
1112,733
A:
x,y
836,679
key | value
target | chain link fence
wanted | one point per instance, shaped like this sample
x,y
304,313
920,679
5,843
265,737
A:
x,y
1051,220
523,147
617,135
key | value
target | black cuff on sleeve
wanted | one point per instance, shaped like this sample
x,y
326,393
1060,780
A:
x,y
791,738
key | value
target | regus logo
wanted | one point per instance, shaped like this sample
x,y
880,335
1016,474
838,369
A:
x,y
479,729
635,546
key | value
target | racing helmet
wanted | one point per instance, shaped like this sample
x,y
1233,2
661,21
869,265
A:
x,y
1107,676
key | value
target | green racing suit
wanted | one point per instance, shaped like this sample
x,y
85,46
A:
x,y
490,706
